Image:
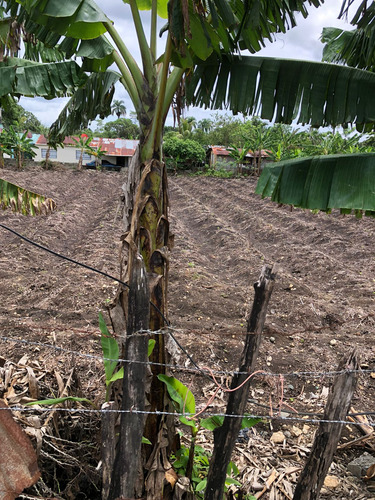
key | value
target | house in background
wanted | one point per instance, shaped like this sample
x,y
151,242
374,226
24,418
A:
x,y
219,157
118,151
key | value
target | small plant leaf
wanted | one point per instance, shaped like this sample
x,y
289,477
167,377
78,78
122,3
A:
x,y
248,422
230,480
56,401
212,423
110,350
151,345
179,393
201,486
117,376
190,423
232,469
145,440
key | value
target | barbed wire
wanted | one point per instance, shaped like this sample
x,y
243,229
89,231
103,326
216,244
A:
x,y
204,371
187,415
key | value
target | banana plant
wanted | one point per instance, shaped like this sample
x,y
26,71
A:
x,y
18,143
201,64
83,143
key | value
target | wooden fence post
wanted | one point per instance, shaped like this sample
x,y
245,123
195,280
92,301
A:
x,y
127,464
328,434
226,435
109,439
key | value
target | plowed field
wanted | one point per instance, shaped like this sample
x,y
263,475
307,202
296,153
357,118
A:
x,y
322,307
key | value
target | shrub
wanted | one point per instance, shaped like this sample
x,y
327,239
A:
x,y
183,154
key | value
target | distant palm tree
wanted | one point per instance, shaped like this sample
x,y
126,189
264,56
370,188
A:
x,y
118,108
205,124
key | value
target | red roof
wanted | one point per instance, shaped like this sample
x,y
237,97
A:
x,y
112,147
222,151
115,147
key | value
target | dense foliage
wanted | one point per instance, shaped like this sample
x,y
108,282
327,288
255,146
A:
x,y
122,127
13,114
281,141
183,153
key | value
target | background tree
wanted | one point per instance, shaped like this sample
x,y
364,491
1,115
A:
x,y
239,155
83,143
19,145
123,128
226,131
187,125
118,108
182,153
13,114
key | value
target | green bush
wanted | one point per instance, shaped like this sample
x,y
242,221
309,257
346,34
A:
x,y
183,154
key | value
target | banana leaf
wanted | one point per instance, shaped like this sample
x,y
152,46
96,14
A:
x,y
343,182
24,201
284,90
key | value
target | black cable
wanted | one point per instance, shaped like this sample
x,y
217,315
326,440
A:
x,y
64,257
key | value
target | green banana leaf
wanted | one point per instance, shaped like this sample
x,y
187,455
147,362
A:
x,y
83,19
30,78
89,101
283,90
344,182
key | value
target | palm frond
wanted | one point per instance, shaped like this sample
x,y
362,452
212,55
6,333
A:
x,y
24,201
354,48
344,182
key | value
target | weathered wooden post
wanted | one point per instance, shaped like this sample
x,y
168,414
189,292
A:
x,y
226,435
127,463
109,417
328,434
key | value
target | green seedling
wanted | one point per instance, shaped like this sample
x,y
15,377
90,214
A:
x,y
111,355
55,401
193,462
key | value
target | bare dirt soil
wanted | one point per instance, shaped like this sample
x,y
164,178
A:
x,y
321,308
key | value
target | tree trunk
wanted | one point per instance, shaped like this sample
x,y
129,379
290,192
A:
x,y
147,231
48,153
19,158
80,161
128,454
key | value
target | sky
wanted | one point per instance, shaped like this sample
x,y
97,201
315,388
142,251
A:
x,y
301,42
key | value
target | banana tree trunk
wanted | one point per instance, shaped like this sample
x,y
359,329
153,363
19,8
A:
x,y
146,231
19,158
80,161
48,153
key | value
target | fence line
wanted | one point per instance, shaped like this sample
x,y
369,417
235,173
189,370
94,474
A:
x,y
197,369
202,371
191,415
